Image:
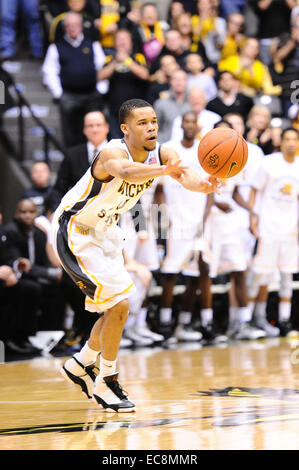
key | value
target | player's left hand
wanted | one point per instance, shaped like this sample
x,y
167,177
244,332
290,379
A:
x,y
210,184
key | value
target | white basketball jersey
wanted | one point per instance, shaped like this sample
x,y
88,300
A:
x,y
98,204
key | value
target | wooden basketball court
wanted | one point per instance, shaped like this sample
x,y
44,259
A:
x,y
241,396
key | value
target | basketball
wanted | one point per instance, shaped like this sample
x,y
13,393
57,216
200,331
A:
x,y
222,152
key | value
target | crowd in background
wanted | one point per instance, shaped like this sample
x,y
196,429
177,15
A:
x,y
201,64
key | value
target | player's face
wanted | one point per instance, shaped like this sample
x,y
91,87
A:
x,y
290,143
141,128
26,213
189,126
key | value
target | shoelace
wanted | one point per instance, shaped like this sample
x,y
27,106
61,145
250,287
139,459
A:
x,y
92,371
118,390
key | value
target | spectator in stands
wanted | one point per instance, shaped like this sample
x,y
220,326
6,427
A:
x,y
176,9
285,54
206,120
151,31
41,187
229,99
173,46
111,14
29,242
172,105
234,38
209,28
78,159
70,72
197,78
273,20
14,296
258,128
10,10
160,80
254,76
77,6
128,76
184,25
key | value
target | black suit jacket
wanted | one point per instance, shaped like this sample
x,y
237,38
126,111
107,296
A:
x,y
18,240
72,168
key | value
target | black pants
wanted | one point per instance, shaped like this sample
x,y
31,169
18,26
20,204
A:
x,y
73,107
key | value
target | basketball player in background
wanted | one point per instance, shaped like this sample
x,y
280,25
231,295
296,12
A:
x,y
276,225
242,216
89,243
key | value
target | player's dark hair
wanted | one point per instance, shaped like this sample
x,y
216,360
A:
x,y
129,105
288,129
220,124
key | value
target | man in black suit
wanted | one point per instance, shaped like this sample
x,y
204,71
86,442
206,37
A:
x,y
39,283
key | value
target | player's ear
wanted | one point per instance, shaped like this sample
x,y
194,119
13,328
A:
x,y
124,128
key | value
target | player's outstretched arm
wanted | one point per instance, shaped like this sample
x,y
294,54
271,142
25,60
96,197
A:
x,y
189,178
114,162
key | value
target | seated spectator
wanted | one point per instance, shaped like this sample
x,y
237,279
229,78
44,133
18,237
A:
x,y
78,159
10,11
254,76
229,99
258,128
285,53
40,178
15,299
151,31
128,77
209,28
70,72
173,104
184,26
234,38
173,46
197,78
160,80
29,242
206,120
76,6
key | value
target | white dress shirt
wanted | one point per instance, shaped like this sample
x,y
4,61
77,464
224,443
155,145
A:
x,y
92,150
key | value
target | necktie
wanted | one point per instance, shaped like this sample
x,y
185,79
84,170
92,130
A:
x,y
31,248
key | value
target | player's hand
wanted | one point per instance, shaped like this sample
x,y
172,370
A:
x,y
210,184
254,225
175,168
142,236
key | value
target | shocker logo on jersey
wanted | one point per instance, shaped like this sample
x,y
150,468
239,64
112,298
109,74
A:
x,y
287,189
81,285
213,161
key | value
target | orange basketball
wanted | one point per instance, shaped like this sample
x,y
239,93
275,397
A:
x,y
222,152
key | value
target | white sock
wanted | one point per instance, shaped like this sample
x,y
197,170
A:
x,y
260,310
206,316
251,306
87,355
284,311
165,314
141,318
232,315
131,321
244,314
107,367
184,318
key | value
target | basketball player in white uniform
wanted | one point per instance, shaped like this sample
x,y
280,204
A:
x,y
89,243
276,226
185,215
